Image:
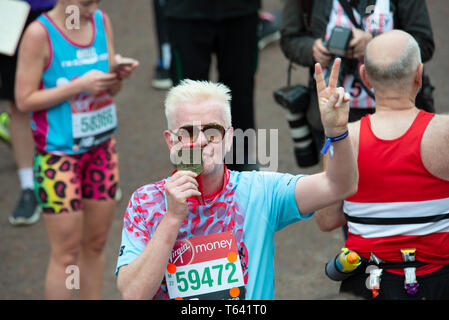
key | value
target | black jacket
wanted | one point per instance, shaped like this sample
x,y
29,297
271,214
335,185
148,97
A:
x,y
296,42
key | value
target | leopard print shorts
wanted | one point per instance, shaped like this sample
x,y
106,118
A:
x,y
61,182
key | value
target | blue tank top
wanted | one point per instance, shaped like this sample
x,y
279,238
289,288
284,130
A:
x,y
76,125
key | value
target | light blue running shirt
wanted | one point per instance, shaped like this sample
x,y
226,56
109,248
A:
x,y
88,120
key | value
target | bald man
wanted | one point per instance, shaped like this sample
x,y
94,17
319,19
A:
x,y
399,217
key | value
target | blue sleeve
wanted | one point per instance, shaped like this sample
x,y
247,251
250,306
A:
x,y
280,192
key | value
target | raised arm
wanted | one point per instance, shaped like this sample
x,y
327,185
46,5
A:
x,y
340,178
332,217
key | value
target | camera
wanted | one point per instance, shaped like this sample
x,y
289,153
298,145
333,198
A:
x,y
295,100
338,42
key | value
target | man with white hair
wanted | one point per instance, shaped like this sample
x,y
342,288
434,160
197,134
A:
x,y
211,236
398,219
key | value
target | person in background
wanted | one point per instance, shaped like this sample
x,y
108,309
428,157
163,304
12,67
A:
x,y
161,79
228,29
15,129
307,27
399,214
67,77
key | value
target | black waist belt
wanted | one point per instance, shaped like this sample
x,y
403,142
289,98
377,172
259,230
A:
x,y
394,221
399,265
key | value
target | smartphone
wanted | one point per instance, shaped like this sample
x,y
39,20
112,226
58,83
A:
x,y
191,158
123,62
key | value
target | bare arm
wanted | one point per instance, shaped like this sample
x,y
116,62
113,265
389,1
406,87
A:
x,y
142,278
434,150
332,217
340,178
117,86
32,58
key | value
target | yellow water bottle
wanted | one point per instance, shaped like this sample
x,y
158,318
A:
x,y
342,265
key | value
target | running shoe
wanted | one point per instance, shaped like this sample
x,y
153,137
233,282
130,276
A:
x,y
162,79
27,211
268,29
5,135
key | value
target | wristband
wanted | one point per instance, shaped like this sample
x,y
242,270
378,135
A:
x,y
329,141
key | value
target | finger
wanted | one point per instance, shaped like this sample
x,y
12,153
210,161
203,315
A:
x,y
354,42
186,180
341,94
184,173
191,193
126,68
319,77
333,79
187,186
108,76
333,100
108,84
322,49
109,81
123,74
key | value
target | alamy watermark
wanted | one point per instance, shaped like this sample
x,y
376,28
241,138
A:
x,y
72,282
73,17
249,147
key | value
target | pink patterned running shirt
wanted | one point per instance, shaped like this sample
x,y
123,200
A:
x,y
254,205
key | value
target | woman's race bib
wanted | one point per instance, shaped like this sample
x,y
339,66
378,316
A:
x,y
94,119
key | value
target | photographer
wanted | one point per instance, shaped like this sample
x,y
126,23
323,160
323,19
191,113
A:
x,y
307,38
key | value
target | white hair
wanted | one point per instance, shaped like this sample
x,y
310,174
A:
x,y
197,91
399,72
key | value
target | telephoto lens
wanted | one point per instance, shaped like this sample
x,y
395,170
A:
x,y
303,145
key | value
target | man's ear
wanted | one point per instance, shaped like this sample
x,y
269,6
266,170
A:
x,y
418,76
168,139
364,77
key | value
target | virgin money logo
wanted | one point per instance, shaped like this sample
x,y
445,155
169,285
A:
x,y
182,253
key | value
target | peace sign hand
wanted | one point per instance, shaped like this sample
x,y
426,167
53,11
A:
x,y
333,102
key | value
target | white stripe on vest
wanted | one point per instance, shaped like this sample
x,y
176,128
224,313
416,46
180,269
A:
x,y
399,210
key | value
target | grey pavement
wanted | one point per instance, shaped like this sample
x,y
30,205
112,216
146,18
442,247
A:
x,y
301,249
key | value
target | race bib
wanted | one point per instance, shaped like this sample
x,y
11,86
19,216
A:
x,y
94,119
205,268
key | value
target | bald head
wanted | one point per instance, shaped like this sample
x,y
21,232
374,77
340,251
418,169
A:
x,y
392,59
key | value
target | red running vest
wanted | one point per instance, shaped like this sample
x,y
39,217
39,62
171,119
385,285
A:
x,y
399,203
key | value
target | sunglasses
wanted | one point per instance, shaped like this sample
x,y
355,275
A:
x,y
213,132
